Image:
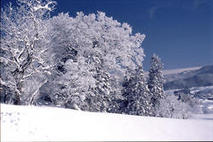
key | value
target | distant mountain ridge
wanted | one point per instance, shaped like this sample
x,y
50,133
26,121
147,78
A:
x,y
187,78
179,70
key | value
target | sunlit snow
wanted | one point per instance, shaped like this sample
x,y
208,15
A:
x,y
28,123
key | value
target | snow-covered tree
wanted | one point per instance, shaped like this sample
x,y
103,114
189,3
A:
x,y
155,82
137,94
82,59
77,82
24,47
185,96
171,107
99,48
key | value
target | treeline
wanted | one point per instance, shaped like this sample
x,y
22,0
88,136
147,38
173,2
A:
x,y
88,62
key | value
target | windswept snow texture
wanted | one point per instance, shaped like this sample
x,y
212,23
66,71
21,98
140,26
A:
x,y
27,123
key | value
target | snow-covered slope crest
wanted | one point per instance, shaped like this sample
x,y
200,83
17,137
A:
x,y
27,123
176,71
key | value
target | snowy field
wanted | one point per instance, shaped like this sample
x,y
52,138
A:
x,y
27,123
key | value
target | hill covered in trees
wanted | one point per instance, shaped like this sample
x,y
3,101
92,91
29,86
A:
x,y
195,78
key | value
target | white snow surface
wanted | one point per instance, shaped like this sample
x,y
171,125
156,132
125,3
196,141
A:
x,y
30,123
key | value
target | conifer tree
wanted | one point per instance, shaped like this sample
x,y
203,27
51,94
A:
x,y
155,81
137,94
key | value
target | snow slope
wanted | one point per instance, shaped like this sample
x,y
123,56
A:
x,y
28,123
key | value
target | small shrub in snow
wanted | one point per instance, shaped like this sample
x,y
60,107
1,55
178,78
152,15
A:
x,y
171,107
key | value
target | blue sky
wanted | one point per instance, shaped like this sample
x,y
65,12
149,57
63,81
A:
x,y
179,31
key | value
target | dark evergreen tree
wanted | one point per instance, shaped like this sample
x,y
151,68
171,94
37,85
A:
x,y
155,82
102,90
137,94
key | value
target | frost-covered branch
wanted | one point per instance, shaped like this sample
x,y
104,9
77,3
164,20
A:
x,y
23,37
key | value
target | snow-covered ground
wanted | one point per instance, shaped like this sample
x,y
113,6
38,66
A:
x,y
197,89
28,123
206,106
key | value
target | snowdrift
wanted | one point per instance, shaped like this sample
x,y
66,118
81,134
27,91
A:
x,y
28,123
